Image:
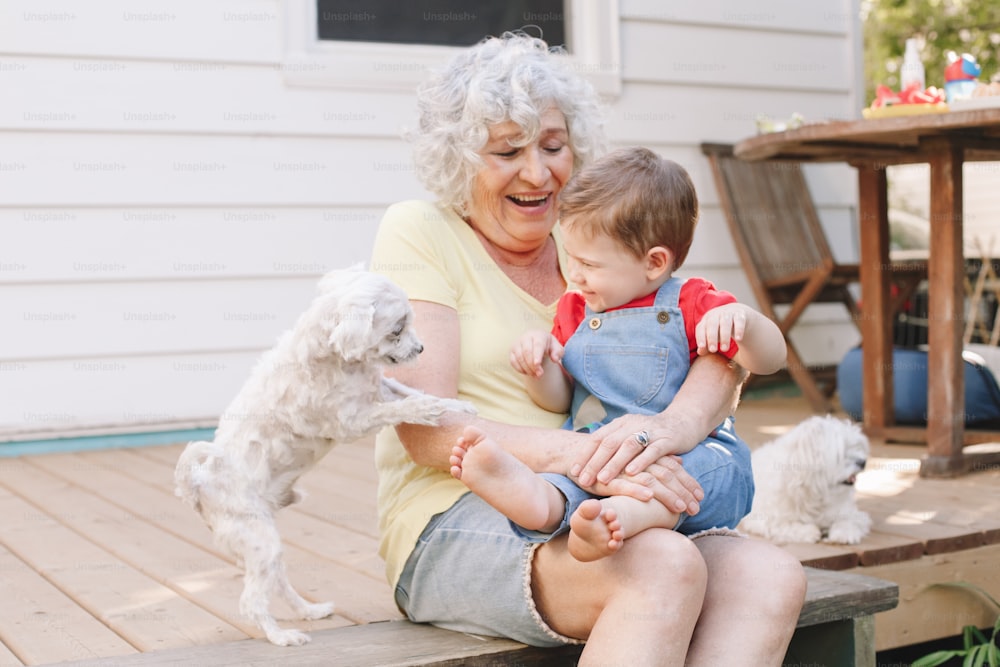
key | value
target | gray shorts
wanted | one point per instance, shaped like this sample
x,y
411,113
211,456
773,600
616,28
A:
x,y
471,573
471,568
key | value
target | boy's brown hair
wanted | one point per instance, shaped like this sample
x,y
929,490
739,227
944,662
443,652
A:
x,y
636,197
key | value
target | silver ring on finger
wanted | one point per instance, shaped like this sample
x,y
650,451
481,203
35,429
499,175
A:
x,y
642,437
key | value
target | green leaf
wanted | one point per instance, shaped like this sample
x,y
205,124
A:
x,y
978,634
976,657
936,658
971,587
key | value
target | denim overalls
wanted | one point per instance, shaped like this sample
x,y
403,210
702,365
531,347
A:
x,y
633,361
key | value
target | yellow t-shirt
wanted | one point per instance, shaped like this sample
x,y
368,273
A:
x,y
435,256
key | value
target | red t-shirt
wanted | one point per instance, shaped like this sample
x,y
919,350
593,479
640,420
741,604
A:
x,y
697,296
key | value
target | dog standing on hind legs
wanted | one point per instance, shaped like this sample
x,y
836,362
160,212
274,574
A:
x,y
321,385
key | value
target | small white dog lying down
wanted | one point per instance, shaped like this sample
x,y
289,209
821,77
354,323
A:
x,y
321,385
805,484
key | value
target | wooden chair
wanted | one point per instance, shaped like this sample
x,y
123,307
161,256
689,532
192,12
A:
x,y
977,322
784,250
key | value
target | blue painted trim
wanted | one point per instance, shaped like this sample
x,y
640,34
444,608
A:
x,y
95,442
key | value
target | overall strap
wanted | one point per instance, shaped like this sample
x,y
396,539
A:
x,y
669,293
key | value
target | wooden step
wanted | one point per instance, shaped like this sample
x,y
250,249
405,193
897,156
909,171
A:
x,y
835,625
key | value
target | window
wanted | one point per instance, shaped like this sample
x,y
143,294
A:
x,y
590,33
443,22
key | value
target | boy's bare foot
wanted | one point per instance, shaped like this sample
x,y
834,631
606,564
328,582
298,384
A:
x,y
595,531
506,483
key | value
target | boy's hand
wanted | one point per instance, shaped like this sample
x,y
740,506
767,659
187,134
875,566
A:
x,y
719,327
528,353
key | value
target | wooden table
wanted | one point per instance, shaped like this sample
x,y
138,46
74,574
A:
x,y
945,141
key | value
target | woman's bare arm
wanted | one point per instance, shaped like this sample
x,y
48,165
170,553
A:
x,y
544,450
436,372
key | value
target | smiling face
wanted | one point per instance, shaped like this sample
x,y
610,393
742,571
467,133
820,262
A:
x,y
514,194
605,272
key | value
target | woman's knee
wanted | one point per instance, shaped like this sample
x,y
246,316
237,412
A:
x,y
771,576
663,558
788,578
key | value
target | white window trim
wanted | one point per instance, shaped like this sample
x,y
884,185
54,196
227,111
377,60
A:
x,y
309,61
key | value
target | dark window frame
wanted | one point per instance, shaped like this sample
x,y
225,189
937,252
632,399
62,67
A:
x,y
592,36
438,22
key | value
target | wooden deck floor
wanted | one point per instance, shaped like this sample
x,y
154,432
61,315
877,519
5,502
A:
x,y
99,559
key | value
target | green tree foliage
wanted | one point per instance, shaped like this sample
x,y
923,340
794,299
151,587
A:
x,y
940,26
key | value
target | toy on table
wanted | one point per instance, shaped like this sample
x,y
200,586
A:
x,y
960,76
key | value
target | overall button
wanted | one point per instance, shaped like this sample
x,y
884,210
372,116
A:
x,y
662,317
595,323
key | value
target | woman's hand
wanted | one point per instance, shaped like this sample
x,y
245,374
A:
x,y
664,480
628,444
616,461
708,395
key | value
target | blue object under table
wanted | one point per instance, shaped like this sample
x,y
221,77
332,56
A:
x,y
909,389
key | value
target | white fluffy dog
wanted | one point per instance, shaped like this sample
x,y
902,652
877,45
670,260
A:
x,y
321,385
805,484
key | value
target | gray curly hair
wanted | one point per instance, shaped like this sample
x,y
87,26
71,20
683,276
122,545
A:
x,y
512,77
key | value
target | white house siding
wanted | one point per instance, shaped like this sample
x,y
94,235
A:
x,y
168,199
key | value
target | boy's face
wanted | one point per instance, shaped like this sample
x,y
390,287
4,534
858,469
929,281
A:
x,y
605,272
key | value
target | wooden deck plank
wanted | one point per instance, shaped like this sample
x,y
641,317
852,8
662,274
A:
x,y
195,575
40,624
104,475
935,537
374,645
326,502
316,576
360,455
823,556
145,613
309,541
831,599
211,579
329,484
331,550
357,550
166,454
7,658
934,512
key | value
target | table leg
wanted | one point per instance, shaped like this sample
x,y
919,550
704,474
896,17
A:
x,y
946,315
876,327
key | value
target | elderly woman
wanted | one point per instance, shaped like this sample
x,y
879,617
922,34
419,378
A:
x,y
501,129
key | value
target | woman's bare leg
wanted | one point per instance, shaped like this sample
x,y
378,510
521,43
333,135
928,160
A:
x,y
638,606
754,596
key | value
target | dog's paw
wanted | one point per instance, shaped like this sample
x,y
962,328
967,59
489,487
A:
x,y
804,533
319,610
288,637
455,405
428,410
849,531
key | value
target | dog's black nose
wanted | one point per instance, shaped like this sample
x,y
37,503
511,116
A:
x,y
862,463
420,348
